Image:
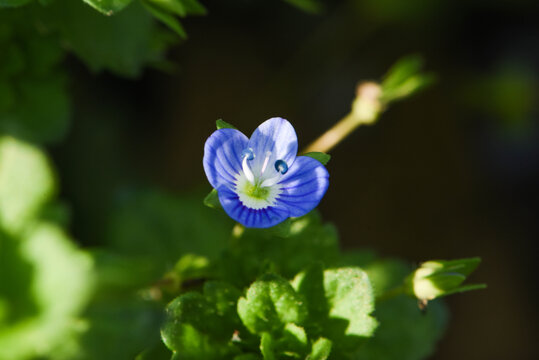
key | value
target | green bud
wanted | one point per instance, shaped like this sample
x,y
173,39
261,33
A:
x,y
439,278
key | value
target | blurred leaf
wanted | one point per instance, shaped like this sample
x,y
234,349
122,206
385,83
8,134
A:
x,y
124,43
164,227
270,303
221,124
212,200
310,6
201,326
321,349
59,280
266,347
108,7
117,314
166,18
193,7
405,78
33,101
26,183
172,6
285,249
320,156
13,3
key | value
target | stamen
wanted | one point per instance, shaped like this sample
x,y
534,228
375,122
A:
x,y
266,160
248,154
282,168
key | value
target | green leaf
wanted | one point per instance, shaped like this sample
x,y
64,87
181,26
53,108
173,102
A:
x,y
320,350
13,3
163,227
320,156
412,334
124,43
270,303
201,326
287,249
26,183
166,18
34,105
173,6
212,200
340,302
310,6
405,78
193,7
58,280
108,7
221,124
293,340
266,347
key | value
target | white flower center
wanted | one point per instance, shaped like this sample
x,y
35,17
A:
x,y
258,190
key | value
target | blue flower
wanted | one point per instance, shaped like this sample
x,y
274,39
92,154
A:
x,y
260,181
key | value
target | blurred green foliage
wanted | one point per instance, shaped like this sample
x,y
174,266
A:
x,y
177,279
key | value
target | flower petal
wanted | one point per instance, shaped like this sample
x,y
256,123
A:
x,y
303,186
276,136
261,218
222,156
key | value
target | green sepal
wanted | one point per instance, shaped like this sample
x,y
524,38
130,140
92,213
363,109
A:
x,y
320,156
212,200
221,124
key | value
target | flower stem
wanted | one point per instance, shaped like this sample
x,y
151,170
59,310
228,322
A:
x,y
366,109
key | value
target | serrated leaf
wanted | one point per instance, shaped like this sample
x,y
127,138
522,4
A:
x,y
287,248
270,303
340,303
320,350
320,156
201,326
108,7
192,329
350,297
212,200
221,124
26,183
166,18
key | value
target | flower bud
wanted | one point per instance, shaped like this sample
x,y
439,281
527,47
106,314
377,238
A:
x,y
438,278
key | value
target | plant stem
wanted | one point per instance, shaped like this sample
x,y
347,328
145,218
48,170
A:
x,y
366,109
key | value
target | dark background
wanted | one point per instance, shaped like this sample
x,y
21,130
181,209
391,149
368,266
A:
x,y
451,172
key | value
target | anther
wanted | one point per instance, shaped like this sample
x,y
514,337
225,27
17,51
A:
x,y
248,153
281,166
